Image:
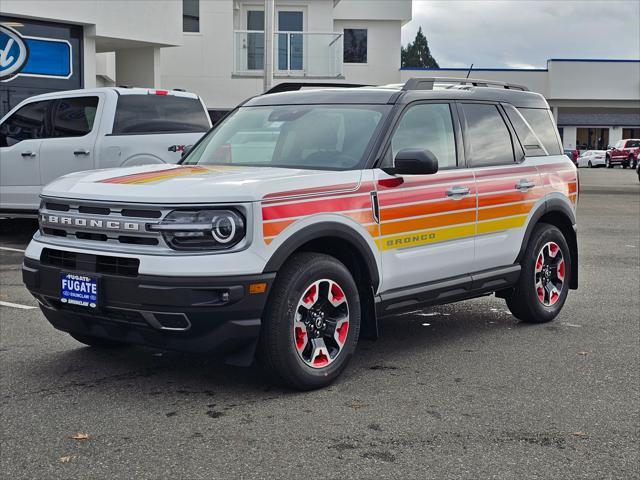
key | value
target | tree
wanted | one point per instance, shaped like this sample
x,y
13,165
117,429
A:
x,y
417,54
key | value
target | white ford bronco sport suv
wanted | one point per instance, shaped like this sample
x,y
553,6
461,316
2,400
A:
x,y
50,135
305,216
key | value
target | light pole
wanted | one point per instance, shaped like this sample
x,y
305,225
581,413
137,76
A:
x,y
268,43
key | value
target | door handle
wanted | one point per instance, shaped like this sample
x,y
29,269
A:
x,y
28,153
458,192
81,151
525,185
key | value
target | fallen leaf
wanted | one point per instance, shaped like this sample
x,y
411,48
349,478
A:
x,y
80,436
584,354
579,434
358,406
65,459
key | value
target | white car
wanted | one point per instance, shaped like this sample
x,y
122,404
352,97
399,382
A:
x,y
50,135
304,216
592,158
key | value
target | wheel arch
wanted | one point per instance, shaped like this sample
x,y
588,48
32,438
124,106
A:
x,y
558,213
350,248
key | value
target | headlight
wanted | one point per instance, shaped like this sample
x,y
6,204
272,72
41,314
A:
x,y
201,229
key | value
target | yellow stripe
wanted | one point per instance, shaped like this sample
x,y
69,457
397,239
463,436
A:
x,y
424,237
501,224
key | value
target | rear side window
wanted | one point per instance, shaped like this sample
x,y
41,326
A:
x,y
487,136
540,121
159,114
531,144
633,144
74,117
26,124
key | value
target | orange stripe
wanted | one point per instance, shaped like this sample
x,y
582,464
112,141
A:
x,y
499,198
274,228
427,222
504,211
393,213
573,188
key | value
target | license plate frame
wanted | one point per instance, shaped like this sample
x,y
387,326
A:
x,y
80,289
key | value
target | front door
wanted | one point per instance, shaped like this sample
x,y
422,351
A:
x,y
427,222
21,135
74,130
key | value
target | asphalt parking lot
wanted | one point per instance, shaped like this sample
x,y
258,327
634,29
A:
x,y
459,391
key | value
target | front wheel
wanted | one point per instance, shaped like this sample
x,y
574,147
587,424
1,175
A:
x,y
311,325
543,286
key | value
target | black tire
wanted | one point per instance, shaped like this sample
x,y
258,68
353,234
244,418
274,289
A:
x,y
97,342
276,347
590,165
523,301
607,162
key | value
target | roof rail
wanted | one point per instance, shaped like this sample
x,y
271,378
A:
x,y
293,86
427,83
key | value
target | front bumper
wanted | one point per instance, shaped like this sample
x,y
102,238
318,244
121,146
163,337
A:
x,y
189,314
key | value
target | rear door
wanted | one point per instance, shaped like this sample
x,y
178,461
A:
x,y
427,222
21,135
70,149
508,187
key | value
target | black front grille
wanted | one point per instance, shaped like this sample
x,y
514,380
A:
x,y
83,262
115,315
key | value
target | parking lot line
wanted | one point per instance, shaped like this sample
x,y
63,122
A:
x,y
9,249
16,305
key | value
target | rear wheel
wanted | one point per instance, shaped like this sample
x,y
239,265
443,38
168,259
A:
x,y
544,279
311,325
97,342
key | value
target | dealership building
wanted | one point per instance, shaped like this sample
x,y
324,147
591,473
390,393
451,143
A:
x,y
216,48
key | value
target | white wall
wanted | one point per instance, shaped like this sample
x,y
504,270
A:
x,y
148,21
594,80
373,10
383,52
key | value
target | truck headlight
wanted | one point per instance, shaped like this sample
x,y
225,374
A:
x,y
201,229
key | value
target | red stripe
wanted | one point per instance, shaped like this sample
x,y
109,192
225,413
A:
x,y
420,195
420,180
316,206
503,172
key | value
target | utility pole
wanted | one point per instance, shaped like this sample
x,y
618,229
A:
x,y
269,9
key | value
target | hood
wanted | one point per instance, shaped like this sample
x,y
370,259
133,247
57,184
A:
x,y
171,184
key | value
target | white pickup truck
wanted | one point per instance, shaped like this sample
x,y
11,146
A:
x,y
54,134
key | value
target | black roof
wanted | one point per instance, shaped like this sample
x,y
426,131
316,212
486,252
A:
x,y
414,89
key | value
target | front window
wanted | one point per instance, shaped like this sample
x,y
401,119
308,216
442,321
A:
x,y
322,137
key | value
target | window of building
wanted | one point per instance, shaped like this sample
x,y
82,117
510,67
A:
x,y
592,138
426,127
159,114
74,116
487,136
540,120
631,133
26,124
355,45
191,15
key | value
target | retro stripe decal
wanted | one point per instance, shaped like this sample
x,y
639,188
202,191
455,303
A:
x,y
417,211
165,174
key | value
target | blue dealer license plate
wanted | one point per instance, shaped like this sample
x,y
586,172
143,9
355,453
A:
x,y
79,290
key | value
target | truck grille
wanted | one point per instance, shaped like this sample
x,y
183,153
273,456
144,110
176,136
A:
x,y
68,221
89,263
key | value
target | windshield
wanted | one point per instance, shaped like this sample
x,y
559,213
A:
x,y
324,137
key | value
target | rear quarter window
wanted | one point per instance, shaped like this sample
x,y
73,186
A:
x,y
145,114
633,143
540,121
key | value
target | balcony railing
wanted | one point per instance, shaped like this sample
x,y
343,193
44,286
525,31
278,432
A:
x,y
295,54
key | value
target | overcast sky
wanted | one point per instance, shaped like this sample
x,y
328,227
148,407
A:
x,y
524,34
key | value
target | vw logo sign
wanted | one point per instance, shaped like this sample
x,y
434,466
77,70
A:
x,y
13,52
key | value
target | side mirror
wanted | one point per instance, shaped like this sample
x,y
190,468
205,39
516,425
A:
x,y
414,161
186,151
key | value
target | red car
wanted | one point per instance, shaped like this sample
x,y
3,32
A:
x,y
624,152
